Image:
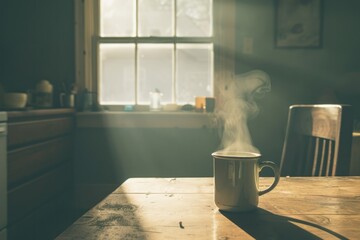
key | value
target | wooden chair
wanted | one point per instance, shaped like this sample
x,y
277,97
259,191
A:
x,y
318,141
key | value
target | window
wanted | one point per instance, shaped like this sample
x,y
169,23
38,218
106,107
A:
x,y
143,45
119,52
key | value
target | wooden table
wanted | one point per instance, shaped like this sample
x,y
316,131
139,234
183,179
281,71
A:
x,y
183,208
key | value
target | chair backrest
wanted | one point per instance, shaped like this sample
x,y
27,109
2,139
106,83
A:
x,y
318,140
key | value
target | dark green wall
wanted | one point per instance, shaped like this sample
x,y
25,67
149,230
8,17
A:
x,y
37,42
111,155
329,74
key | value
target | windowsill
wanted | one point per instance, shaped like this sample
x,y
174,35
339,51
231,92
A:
x,y
161,119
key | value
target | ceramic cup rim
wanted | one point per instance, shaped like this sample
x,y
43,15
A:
x,y
236,155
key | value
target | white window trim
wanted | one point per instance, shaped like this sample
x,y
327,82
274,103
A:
x,y
224,40
84,32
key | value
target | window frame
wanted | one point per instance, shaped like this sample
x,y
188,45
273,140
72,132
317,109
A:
x,y
87,38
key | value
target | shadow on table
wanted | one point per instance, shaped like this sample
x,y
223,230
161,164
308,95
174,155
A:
x,y
262,224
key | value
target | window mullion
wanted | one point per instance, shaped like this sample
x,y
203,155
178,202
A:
x,y
174,74
136,51
136,72
174,56
155,39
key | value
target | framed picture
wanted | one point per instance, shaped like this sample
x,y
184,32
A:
x,y
298,23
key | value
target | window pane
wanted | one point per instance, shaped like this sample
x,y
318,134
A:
x,y
194,18
117,18
194,72
155,71
156,18
117,74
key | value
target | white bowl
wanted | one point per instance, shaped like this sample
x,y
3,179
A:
x,y
15,100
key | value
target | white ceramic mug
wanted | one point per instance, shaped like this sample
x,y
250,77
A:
x,y
236,179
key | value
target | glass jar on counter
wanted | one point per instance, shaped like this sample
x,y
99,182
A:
x,y
44,94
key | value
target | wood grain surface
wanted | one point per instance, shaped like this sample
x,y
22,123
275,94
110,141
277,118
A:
x,y
183,208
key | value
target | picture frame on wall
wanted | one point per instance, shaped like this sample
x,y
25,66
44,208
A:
x,y
298,23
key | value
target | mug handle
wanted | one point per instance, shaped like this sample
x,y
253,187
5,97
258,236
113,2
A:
x,y
276,171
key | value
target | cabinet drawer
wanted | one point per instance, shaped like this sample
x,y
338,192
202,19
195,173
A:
x,y
27,197
28,162
22,133
45,222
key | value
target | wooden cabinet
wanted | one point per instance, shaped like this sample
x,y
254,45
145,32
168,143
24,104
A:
x,y
40,172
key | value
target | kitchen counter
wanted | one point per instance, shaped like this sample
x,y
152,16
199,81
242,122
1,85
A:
x,y
39,161
30,114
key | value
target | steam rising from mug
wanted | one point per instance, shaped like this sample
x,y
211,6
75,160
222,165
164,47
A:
x,y
239,104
